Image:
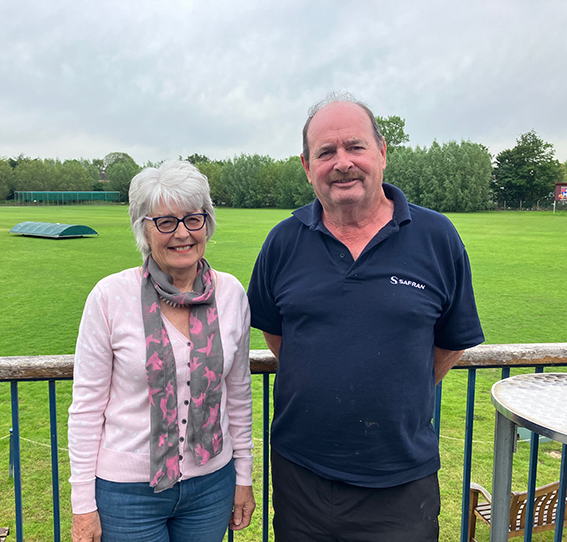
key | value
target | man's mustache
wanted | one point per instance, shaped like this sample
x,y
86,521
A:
x,y
346,177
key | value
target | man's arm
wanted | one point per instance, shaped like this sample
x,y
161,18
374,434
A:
x,y
443,360
274,342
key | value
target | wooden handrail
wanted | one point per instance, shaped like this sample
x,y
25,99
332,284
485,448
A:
x,y
59,367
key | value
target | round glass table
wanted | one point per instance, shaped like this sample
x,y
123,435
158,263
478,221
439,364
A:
x,y
537,402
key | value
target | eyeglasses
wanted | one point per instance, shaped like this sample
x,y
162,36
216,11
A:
x,y
168,224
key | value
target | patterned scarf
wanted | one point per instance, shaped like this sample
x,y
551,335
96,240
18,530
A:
x,y
204,435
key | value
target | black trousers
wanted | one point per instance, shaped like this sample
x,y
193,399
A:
x,y
309,508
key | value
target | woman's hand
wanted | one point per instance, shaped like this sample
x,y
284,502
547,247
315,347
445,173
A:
x,y
86,527
244,505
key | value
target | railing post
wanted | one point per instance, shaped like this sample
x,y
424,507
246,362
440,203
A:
x,y
437,411
54,462
468,456
266,459
504,442
532,476
11,463
561,495
17,463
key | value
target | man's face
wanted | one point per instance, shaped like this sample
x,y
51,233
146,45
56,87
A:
x,y
345,163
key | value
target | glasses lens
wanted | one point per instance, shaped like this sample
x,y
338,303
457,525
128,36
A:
x,y
194,222
166,224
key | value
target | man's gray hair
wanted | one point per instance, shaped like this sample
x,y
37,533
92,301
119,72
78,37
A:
x,y
175,183
339,96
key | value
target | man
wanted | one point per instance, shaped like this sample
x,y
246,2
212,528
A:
x,y
367,302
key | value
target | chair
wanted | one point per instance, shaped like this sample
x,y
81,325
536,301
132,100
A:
x,y
545,509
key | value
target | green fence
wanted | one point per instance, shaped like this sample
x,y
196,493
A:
x,y
33,197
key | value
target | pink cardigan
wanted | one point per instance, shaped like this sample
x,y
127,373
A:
x,y
109,423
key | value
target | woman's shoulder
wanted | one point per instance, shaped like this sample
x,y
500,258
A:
x,y
231,300
229,287
226,280
123,280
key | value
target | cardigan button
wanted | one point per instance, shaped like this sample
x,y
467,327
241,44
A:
x,y
186,402
183,421
181,439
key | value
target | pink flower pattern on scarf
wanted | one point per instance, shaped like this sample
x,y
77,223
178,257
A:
x,y
203,434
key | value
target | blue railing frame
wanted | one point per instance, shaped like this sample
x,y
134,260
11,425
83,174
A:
x,y
467,463
534,449
54,460
15,461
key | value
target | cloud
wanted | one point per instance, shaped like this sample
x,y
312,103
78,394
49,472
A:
x,y
165,79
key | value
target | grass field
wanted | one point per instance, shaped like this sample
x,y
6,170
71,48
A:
x,y
519,267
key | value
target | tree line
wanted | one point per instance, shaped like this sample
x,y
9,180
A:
x,y
525,176
448,177
114,172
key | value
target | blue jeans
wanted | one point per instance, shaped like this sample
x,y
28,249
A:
x,y
197,509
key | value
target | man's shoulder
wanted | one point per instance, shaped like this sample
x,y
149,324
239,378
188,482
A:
x,y
289,227
433,233
429,220
422,219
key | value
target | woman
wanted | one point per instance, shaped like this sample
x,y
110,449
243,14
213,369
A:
x,y
160,429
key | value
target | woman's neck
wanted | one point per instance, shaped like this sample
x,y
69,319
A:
x,y
183,281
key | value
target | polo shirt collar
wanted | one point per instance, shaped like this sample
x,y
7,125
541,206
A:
x,y
310,215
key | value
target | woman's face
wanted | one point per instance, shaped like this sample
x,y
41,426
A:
x,y
176,253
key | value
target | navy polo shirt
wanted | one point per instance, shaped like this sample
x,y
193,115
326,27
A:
x,y
354,391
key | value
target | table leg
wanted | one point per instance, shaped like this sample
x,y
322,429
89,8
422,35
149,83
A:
x,y
504,440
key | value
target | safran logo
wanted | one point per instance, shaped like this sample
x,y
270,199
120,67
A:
x,y
396,280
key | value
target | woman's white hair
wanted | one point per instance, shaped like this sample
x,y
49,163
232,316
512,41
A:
x,y
175,183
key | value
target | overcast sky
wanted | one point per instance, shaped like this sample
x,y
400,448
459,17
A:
x,y
159,79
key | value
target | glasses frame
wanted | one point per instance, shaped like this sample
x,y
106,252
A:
x,y
179,220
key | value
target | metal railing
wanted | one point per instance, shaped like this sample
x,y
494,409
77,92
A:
x,y
54,368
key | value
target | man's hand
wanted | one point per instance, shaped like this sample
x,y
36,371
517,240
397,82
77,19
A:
x,y
274,343
443,360
86,527
244,505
